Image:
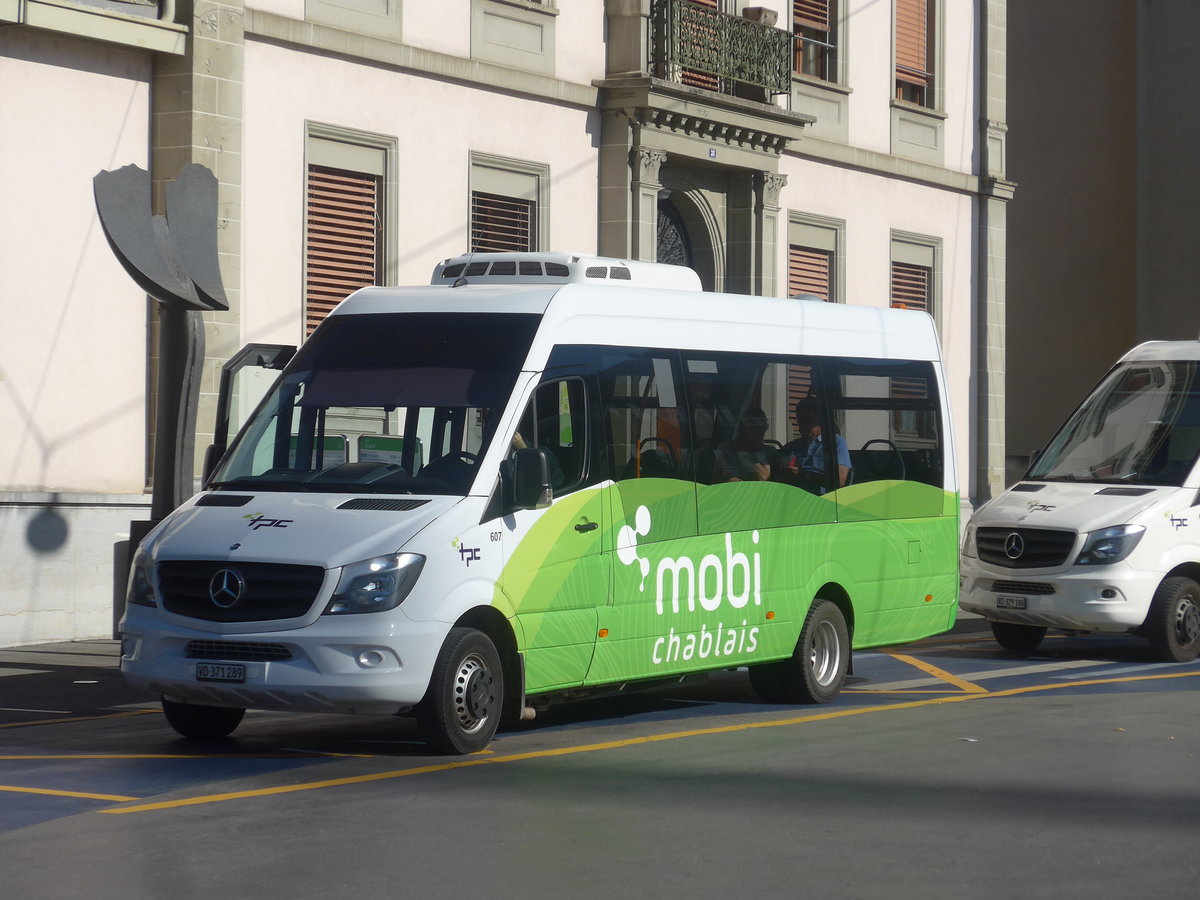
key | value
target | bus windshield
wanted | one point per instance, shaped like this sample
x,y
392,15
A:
x,y
1140,426
395,403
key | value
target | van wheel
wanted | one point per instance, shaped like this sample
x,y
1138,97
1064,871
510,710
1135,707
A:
x,y
816,669
1173,623
462,707
201,723
1017,638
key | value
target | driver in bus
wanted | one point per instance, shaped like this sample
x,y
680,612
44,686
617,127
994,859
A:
x,y
745,457
804,457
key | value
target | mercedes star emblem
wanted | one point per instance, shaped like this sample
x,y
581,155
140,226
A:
x,y
1014,546
226,588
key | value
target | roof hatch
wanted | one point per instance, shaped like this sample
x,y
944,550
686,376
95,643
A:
x,y
562,268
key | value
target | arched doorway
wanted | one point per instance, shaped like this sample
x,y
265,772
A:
x,y
674,245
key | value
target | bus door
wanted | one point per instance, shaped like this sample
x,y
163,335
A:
x,y
652,502
555,573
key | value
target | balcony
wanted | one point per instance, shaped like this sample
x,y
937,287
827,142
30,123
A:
x,y
700,47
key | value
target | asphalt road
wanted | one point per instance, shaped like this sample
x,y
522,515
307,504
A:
x,y
946,769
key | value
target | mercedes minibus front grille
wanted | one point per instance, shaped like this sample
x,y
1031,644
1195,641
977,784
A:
x,y
221,591
1023,587
1024,548
238,651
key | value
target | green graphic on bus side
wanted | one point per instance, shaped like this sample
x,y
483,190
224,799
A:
x,y
678,576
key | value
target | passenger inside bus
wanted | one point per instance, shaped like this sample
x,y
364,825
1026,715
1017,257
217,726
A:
x,y
745,456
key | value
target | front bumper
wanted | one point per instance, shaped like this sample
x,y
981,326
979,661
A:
x,y
332,666
1112,599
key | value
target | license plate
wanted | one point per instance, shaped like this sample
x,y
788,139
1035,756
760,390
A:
x,y
220,672
1011,602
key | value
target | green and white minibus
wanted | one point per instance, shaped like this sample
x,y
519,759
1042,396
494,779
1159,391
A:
x,y
544,476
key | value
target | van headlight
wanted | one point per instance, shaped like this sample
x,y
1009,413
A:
x,y
968,544
375,585
140,590
1110,545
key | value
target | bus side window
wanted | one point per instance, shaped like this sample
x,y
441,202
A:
x,y
556,422
642,406
890,417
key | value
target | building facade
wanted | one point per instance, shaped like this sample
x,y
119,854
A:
x,y
847,149
1105,231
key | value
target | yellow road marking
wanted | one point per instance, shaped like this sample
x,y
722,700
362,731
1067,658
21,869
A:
x,y
940,674
483,760
115,798
120,715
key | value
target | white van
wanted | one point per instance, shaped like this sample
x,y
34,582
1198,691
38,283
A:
x,y
1103,532
549,475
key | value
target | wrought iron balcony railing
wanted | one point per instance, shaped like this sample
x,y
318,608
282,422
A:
x,y
698,46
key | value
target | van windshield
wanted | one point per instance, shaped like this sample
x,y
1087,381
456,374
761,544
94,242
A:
x,y
391,403
1140,426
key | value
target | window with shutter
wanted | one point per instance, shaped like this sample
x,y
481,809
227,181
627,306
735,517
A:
x,y
910,286
502,224
914,66
703,38
810,272
344,238
814,37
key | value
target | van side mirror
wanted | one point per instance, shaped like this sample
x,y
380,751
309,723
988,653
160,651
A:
x,y
531,479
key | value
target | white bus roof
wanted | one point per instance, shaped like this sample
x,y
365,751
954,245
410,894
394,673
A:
x,y
597,311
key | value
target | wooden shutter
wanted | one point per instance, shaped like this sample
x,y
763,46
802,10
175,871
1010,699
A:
x,y
809,272
910,286
501,224
811,14
343,246
912,45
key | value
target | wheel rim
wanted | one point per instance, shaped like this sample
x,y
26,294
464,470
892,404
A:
x,y
825,655
474,693
1187,620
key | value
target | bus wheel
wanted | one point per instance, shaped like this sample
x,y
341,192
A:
x,y
1017,638
202,723
1173,624
815,671
462,707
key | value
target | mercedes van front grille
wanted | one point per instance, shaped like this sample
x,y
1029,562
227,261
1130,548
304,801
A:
x,y
238,651
223,591
1023,587
1024,548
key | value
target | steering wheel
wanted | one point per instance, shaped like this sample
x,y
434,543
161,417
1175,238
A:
x,y
896,450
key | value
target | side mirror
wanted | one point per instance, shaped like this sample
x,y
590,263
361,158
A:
x,y
531,479
212,456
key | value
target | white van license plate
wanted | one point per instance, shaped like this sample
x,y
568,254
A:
x,y
1011,603
220,672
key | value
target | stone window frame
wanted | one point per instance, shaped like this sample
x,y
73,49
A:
x,y
517,178
821,233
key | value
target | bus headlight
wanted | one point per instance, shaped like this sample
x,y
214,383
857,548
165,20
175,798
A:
x,y
375,585
1110,545
140,591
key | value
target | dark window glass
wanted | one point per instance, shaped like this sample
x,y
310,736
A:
x,y
397,403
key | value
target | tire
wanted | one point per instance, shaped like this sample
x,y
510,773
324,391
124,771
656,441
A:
x,y
1017,638
462,707
815,671
201,723
765,681
1173,623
